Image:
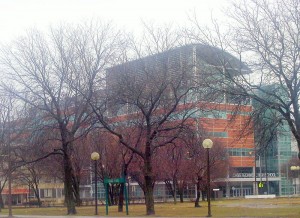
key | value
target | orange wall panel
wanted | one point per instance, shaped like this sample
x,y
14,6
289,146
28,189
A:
x,y
242,161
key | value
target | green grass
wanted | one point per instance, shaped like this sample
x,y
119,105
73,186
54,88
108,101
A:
x,y
279,207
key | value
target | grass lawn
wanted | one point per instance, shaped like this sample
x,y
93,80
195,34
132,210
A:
x,y
279,207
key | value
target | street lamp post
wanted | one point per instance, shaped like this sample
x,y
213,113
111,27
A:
x,y
296,168
95,156
207,144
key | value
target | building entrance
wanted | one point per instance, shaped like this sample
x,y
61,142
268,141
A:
x,y
240,192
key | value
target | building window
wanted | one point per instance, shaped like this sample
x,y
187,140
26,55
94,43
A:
x,y
246,152
59,193
218,134
48,193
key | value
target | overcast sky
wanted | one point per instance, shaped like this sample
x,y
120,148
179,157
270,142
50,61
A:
x,y
18,15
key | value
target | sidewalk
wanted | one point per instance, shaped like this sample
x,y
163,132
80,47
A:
x,y
31,216
41,216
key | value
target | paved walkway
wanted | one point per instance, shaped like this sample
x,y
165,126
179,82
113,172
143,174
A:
x,y
31,216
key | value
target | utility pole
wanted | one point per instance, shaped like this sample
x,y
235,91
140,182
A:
x,y
9,168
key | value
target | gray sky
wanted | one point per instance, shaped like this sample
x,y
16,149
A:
x,y
18,15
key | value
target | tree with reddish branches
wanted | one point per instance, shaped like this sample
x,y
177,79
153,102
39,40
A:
x,y
197,162
56,74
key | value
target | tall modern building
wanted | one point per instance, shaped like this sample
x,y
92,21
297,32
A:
x,y
195,64
273,163
251,170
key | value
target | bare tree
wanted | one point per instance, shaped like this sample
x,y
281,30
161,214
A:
x,y
194,167
148,101
36,159
174,168
265,35
30,175
114,162
12,128
56,75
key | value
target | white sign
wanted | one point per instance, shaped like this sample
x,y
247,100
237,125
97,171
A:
x,y
251,175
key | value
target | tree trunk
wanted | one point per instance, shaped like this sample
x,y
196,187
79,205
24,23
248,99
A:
x,y
121,198
69,192
197,204
169,187
121,195
39,200
37,194
149,199
1,202
1,199
149,183
76,183
111,195
180,191
175,191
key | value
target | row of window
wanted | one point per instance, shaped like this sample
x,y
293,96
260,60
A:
x,y
48,193
200,114
218,134
128,109
240,152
